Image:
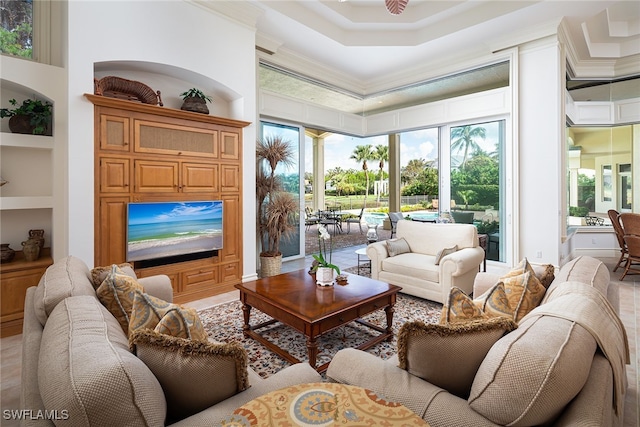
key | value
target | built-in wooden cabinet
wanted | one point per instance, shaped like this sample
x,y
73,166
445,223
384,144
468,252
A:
x,y
150,153
15,278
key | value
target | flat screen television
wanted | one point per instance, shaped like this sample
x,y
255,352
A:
x,y
170,229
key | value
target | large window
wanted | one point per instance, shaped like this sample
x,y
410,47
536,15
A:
x,y
419,183
16,30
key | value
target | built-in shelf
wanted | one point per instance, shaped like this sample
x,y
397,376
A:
x,y
26,141
26,202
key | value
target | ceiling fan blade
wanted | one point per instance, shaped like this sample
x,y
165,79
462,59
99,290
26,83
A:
x,y
395,7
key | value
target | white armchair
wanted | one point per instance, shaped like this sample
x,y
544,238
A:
x,y
417,272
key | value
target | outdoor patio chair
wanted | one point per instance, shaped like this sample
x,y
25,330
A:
x,y
394,217
462,217
356,220
614,215
309,218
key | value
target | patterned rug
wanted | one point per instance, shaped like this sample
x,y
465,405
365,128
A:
x,y
224,324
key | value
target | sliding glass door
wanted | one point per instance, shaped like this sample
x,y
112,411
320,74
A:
x,y
476,181
290,177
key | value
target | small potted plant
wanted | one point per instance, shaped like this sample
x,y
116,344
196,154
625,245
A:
x,y
32,116
195,100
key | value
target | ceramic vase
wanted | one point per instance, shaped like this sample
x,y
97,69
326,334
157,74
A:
x,y
324,276
37,235
31,250
7,254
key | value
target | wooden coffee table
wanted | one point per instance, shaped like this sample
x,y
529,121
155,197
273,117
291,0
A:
x,y
295,300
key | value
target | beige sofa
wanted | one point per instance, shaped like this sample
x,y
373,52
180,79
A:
x,y
551,370
416,271
77,365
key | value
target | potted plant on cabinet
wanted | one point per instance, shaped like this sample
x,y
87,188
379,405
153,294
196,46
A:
x,y
276,208
195,100
31,117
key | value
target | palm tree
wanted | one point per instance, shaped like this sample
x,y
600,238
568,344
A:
x,y
381,153
462,138
275,207
361,154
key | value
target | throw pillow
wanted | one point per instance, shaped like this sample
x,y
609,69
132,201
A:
x,y
449,356
98,274
524,293
193,374
444,252
545,273
460,308
149,312
116,293
494,302
397,246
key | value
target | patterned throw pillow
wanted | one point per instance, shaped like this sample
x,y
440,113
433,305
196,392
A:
x,y
116,293
449,356
494,302
545,273
444,252
460,308
397,246
193,374
98,274
524,293
149,312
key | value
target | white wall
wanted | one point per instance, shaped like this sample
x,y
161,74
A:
x,y
178,34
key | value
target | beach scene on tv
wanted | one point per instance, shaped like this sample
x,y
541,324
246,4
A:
x,y
165,229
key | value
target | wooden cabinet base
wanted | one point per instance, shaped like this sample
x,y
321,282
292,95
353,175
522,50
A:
x,y
15,278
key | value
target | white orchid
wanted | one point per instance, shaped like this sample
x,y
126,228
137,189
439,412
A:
x,y
320,259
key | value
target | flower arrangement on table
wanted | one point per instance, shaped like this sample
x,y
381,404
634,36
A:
x,y
320,259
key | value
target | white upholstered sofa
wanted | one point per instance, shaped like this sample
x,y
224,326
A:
x,y
416,271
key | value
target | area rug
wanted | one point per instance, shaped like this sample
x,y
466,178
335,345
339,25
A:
x,y
224,324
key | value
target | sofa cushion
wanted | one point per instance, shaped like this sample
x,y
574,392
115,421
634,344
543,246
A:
x,y
67,277
448,356
444,252
412,264
149,312
428,239
397,246
588,270
532,373
86,368
116,294
194,374
98,274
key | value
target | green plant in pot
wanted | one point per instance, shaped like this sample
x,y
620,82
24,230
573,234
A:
x,y
32,116
276,209
195,100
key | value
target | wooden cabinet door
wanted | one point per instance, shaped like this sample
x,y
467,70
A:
x,y
111,239
230,272
199,278
230,178
114,175
156,176
173,139
232,225
229,145
199,177
115,133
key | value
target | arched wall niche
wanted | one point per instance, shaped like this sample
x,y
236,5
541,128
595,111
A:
x,y
12,90
171,81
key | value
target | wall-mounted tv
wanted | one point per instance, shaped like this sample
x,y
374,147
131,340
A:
x,y
170,229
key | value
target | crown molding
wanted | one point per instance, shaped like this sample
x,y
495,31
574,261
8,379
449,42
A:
x,y
240,12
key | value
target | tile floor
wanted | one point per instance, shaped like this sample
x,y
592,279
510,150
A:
x,y
10,347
